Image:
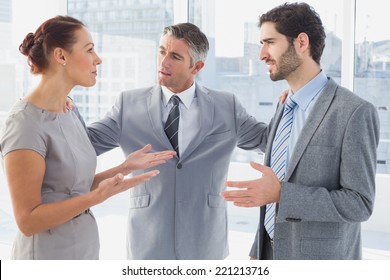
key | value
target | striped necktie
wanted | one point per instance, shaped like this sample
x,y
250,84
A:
x,y
279,158
172,124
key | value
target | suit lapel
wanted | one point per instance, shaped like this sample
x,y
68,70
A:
x,y
313,121
155,115
206,109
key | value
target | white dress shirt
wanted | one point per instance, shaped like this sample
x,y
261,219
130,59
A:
x,y
189,124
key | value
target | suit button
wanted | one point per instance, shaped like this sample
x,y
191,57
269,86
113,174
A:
x,y
179,166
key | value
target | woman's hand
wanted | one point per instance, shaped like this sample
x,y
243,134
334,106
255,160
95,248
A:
x,y
142,159
118,184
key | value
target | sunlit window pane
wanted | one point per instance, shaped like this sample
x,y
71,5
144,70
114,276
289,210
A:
x,y
372,68
233,62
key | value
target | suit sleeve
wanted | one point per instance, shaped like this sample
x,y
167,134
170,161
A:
x,y
254,252
251,133
351,201
105,134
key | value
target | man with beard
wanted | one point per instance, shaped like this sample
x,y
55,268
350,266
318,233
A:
x,y
318,178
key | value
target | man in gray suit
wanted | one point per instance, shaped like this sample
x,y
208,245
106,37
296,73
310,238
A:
x,y
325,186
180,213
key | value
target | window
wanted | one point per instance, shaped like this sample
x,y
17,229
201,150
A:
x,y
126,35
233,65
372,71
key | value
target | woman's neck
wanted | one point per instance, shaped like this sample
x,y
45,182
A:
x,y
50,94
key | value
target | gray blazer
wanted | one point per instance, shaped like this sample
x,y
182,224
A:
x,y
330,182
179,214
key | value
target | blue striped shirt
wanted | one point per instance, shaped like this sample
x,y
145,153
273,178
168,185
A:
x,y
305,98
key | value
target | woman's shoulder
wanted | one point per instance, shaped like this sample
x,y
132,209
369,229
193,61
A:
x,y
24,115
23,128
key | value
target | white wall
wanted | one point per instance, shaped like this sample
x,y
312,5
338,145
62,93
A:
x,y
28,15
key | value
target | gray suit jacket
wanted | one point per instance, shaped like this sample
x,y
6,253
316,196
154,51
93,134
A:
x,y
179,214
330,182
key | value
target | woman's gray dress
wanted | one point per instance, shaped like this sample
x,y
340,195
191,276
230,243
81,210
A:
x,y
61,139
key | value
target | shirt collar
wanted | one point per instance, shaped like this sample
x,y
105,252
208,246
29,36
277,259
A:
x,y
306,94
185,96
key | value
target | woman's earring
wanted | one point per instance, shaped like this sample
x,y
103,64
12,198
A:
x,y
64,63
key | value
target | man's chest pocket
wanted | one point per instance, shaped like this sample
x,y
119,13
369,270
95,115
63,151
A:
x,y
217,137
319,166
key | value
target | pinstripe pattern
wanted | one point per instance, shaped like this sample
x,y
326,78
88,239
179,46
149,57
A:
x,y
172,124
279,158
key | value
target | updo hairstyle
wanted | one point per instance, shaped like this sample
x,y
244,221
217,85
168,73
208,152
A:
x,y
57,32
